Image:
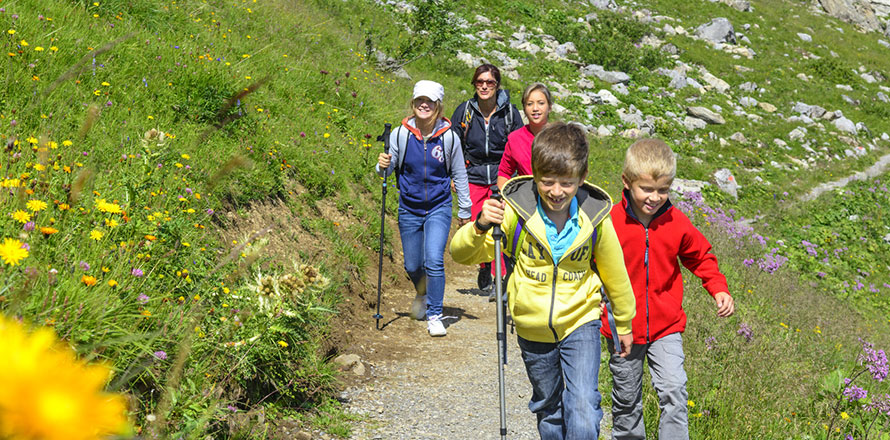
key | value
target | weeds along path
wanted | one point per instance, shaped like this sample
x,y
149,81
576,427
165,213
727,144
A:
x,y
878,168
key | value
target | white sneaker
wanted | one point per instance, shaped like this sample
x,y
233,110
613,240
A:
x,y
418,307
435,327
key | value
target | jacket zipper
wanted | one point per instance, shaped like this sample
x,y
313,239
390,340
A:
x,y
426,195
646,263
553,287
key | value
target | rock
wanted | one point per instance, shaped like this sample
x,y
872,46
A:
x,y
738,137
585,83
526,46
608,97
621,89
885,137
558,109
604,4
671,49
706,115
347,361
565,49
844,87
849,100
884,43
747,101
603,131
727,182
803,77
846,125
741,5
483,20
390,64
856,12
359,369
862,128
887,239
691,123
797,134
633,133
868,78
683,186
610,77
767,107
718,30
467,59
714,82
780,143
805,37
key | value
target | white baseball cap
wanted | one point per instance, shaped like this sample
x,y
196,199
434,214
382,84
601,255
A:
x,y
430,89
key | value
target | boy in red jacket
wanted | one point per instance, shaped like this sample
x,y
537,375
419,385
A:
x,y
655,238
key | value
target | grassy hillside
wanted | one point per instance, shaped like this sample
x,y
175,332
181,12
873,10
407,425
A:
x,y
145,139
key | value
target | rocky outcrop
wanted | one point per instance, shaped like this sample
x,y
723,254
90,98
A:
x,y
857,12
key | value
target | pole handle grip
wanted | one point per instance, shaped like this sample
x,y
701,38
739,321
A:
x,y
387,129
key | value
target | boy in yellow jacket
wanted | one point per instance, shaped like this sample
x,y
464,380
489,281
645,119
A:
x,y
559,224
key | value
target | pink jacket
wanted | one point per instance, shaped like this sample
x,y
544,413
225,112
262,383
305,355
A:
x,y
517,154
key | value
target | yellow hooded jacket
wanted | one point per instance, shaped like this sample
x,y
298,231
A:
x,y
548,300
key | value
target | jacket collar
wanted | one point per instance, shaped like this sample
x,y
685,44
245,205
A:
x,y
522,194
442,125
625,203
503,100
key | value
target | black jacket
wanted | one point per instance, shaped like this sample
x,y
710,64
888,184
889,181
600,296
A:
x,y
483,148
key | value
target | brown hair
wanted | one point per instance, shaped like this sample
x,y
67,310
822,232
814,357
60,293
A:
x,y
539,87
649,156
495,72
560,149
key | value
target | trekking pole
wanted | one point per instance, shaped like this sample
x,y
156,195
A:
x,y
385,139
498,235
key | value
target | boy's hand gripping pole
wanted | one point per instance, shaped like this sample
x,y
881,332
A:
x,y
387,128
497,234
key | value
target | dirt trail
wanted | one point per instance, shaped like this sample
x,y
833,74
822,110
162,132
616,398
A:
x,y
419,387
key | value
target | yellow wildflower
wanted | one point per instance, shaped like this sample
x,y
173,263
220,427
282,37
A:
x,y
12,252
36,205
47,393
89,280
21,216
96,235
282,344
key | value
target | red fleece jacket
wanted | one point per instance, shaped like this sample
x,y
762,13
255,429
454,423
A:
x,y
652,256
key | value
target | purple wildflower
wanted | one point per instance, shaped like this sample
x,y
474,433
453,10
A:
x,y
874,360
29,226
854,393
136,272
879,404
711,343
143,298
160,354
746,332
84,266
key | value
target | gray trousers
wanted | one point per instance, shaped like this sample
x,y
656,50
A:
x,y
665,357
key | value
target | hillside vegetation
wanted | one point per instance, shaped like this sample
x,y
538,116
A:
x,y
188,196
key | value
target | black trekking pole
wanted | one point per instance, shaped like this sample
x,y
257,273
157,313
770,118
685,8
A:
x,y
385,139
498,235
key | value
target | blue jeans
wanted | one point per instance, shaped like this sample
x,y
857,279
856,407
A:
x,y
564,377
423,245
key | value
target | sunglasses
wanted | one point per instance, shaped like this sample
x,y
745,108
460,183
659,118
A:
x,y
485,82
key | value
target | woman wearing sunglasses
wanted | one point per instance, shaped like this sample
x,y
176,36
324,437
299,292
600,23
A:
x,y
483,123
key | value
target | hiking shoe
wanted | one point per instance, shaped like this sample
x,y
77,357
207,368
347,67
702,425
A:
x,y
418,307
492,297
435,327
483,280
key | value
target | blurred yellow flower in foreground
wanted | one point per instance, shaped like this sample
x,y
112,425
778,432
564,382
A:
x,y
11,252
46,393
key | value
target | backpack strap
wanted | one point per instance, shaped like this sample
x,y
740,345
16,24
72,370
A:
x,y
402,142
468,116
448,145
517,233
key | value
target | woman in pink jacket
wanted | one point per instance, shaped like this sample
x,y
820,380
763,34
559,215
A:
x,y
536,103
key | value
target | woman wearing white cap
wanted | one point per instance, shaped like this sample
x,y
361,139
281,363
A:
x,y
426,157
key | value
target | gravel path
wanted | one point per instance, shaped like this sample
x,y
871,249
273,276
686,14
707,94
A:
x,y
874,170
443,388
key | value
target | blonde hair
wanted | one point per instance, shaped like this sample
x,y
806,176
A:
x,y
560,149
649,156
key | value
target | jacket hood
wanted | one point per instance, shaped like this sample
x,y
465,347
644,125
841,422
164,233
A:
x,y
592,200
442,125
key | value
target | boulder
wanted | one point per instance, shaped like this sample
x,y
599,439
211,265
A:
x,y
706,115
718,30
714,82
604,4
805,37
856,12
741,5
882,97
621,89
608,97
565,49
747,101
798,134
846,125
738,137
691,123
683,186
727,182
610,77
767,107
